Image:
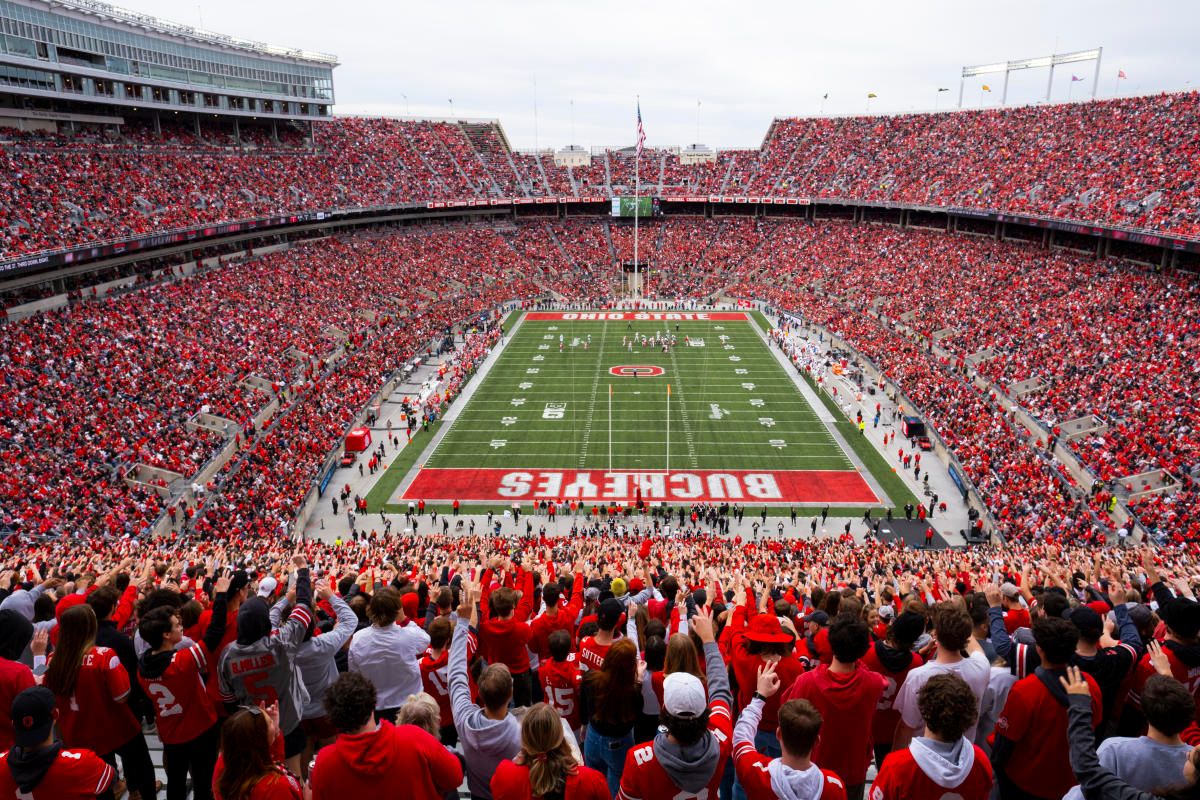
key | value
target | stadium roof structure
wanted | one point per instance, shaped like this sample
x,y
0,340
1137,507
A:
x,y
146,22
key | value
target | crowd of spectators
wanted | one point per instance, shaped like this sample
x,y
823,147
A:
x,y
613,663
95,390
1058,161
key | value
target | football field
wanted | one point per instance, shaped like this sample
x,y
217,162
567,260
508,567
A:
x,y
620,406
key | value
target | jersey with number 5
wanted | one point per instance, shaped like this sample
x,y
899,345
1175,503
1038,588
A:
x,y
181,706
560,686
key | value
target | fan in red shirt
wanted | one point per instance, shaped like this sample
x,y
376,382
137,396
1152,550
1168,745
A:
x,y
16,632
371,759
91,686
504,632
1030,752
38,767
593,649
560,677
174,680
793,773
435,676
1015,615
546,765
893,658
818,637
686,761
763,641
847,694
250,766
555,618
942,762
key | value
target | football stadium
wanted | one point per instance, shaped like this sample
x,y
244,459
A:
x,y
832,434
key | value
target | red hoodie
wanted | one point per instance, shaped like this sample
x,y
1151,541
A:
x,y
363,764
847,704
504,641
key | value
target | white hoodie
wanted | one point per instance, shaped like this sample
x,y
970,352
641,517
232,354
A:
x,y
945,763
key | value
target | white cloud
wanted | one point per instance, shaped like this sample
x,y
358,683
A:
x,y
747,62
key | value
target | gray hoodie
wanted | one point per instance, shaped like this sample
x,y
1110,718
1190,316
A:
x,y
691,768
945,763
485,742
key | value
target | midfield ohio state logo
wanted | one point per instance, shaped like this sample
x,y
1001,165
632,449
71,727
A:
x,y
637,371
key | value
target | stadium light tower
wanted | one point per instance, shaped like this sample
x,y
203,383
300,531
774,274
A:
x,y
1051,61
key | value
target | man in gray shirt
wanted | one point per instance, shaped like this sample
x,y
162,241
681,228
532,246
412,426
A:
x,y
1155,760
490,734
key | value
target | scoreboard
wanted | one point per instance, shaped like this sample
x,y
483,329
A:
x,y
640,207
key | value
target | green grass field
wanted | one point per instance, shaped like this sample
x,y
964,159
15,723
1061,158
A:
x,y
732,407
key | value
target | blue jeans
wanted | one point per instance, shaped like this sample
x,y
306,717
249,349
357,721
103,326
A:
x,y
606,755
766,743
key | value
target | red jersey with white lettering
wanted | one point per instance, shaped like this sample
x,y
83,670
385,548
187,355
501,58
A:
x,y
435,679
591,654
181,707
560,687
15,678
901,778
752,774
96,716
887,717
75,775
645,779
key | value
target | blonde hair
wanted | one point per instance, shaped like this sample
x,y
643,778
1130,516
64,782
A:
x,y
545,750
422,710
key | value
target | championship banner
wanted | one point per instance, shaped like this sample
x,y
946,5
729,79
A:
x,y
685,486
635,316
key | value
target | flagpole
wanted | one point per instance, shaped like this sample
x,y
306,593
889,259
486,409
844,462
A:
x,y
610,427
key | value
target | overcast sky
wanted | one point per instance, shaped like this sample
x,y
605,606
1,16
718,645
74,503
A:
x,y
745,62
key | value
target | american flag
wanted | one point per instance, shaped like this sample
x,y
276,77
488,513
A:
x,y
641,140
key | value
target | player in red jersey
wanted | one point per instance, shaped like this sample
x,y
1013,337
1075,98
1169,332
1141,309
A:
x,y
38,767
560,677
175,681
593,649
942,762
664,768
90,687
792,774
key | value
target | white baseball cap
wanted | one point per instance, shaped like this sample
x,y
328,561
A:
x,y
266,587
684,695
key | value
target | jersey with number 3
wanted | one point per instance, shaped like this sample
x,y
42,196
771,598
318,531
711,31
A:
x,y
645,779
181,706
560,687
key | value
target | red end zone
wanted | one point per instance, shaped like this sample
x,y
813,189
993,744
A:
x,y
792,486
635,316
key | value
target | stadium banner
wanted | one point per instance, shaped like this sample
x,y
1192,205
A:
x,y
635,316
621,486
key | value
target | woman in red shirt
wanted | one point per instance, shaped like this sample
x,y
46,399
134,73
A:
x,y
91,689
546,767
250,766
